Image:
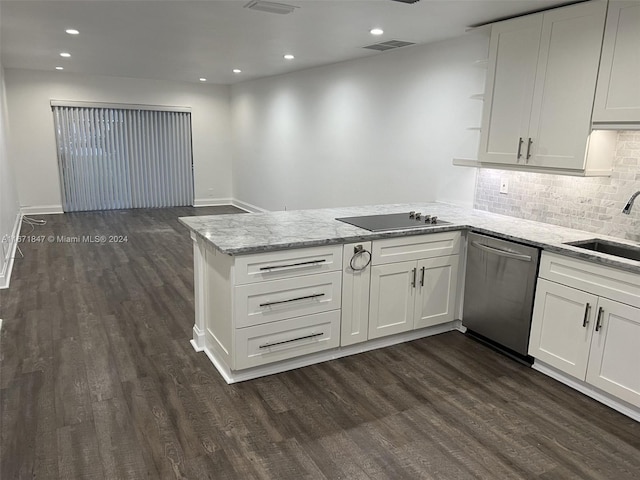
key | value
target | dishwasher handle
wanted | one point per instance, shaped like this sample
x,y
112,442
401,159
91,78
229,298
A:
x,y
502,253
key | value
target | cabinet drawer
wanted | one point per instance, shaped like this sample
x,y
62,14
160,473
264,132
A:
x,y
258,303
287,339
597,279
287,263
417,247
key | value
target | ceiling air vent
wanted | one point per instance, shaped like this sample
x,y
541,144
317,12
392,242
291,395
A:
x,y
388,45
270,7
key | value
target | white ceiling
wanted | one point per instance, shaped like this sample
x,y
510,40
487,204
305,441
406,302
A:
x,y
184,40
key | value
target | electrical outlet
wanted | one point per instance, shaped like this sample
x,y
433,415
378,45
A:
x,y
504,185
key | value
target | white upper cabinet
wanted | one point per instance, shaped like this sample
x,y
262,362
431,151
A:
x,y
509,94
618,92
540,90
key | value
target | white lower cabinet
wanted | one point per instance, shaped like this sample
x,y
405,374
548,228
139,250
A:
x,y
614,359
413,294
286,339
562,327
587,336
268,312
392,299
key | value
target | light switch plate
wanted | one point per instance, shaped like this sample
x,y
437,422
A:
x,y
504,185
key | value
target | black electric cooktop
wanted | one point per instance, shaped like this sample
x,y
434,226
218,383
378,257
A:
x,y
393,221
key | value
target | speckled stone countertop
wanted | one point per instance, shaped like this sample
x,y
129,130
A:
x,y
240,234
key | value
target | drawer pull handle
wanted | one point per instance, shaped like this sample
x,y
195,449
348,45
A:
x,y
585,320
313,335
299,264
422,277
529,143
316,295
599,321
413,281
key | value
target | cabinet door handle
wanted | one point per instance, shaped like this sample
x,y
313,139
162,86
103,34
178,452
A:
x,y
529,143
599,321
299,264
585,320
413,281
306,297
422,277
520,140
313,335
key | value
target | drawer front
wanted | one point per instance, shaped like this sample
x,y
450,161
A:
x,y
287,263
596,279
258,303
287,339
416,247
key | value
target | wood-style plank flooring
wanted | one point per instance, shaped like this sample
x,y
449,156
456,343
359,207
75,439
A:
x,y
98,381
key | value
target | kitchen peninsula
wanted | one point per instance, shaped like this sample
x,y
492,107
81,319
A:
x,y
281,290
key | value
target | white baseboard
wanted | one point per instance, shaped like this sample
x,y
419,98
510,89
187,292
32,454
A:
x,y
248,207
7,261
41,209
212,202
216,202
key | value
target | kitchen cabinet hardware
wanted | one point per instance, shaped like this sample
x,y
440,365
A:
x,y
306,297
298,264
413,282
520,141
529,143
585,320
313,335
422,277
599,320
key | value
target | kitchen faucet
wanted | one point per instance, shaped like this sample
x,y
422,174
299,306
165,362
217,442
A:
x,y
627,208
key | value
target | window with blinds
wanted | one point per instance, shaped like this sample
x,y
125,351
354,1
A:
x,y
115,158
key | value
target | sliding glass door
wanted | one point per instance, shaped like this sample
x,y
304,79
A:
x,y
115,158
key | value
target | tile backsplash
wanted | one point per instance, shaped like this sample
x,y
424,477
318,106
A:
x,y
591,204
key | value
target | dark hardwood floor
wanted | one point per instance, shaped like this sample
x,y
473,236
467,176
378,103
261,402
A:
x,y
98,381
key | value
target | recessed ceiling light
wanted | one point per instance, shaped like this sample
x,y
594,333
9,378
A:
x,y
59,68
376,31
65,54
202,79
288,56
237,70
72,31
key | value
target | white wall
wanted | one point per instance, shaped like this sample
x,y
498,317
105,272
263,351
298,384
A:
x,y
378,130
33,146
9,205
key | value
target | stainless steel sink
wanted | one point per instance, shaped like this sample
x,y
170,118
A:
x,y
610,248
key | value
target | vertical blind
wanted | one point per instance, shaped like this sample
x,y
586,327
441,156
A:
x,y
112,158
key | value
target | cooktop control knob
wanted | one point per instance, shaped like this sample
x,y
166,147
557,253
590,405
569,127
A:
x,y
418,215
427,219
434,220
412,214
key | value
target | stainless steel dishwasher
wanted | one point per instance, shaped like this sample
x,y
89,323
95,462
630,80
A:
x,y
498,292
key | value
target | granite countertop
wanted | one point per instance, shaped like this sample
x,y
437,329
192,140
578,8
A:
x,y
240,234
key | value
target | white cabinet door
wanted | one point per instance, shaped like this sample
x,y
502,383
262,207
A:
x,y
618,92
562,326
392,298
565,85
354,326
513,54
614,360
436,291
